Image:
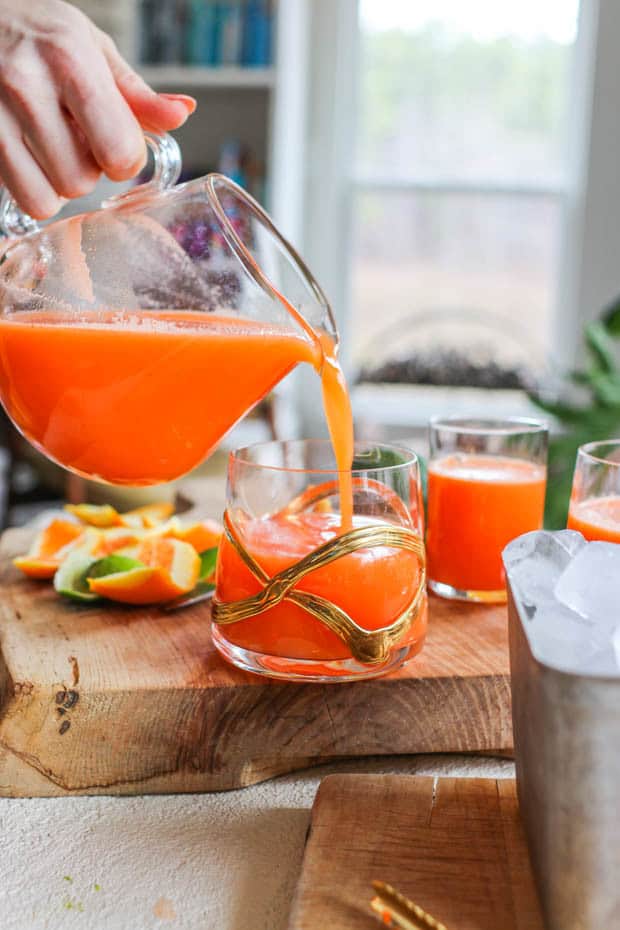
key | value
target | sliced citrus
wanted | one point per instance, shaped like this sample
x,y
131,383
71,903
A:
x,y
35,567
208,561
171,568
48,548
148,516
70,578
100,515
204,535
112,565
117,537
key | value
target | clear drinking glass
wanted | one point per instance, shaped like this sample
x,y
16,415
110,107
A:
x,y
486,485
299,595
595,498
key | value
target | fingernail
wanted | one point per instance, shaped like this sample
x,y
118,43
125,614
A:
x,y
188,102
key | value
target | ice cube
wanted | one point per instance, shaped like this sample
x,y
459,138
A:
x,y
605,662
590,584
556,548
563,639
562,592
535,561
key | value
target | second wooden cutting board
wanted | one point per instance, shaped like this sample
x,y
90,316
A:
x,y
454,846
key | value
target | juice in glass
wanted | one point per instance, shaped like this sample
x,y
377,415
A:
x,y
598,518
480,500
372,585
285,501
595,498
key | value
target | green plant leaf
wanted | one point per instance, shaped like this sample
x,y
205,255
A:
x,y
598,342
208,560
606,388
381,457
565,413
378,457
611,318
423,476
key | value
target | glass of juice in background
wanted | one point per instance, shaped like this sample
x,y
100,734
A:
x,y
486,485
283,503
595,498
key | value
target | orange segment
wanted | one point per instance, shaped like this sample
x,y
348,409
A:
x,y
150,515
104,515
204,535
100,515
116,537
56,535
171,568
36,568
169,554
48,549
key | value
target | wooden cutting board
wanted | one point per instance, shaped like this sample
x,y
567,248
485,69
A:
x,y
105,700
455,846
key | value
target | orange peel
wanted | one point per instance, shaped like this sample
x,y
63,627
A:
x,y
150,515
99,515
49,548
203,535
170,568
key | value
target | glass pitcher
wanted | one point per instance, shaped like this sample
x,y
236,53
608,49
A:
x,y
134,337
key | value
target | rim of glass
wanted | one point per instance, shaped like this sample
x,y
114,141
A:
x,y
481,426
239,456
212,181
587,451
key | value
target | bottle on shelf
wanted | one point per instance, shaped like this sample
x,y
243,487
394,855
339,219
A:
x,y
201,33
257,33
209,33
230,32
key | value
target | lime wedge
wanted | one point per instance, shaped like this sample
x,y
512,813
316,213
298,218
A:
x,y
112,565
70,578
208,560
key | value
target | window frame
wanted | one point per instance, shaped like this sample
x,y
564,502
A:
x,y
587,275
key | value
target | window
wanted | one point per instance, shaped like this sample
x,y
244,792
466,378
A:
x,y
460,173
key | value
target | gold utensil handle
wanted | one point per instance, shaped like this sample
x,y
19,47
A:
x,y
396,910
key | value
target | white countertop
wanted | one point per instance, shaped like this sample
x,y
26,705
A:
x,y
226,861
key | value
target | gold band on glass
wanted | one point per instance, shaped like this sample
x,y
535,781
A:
x,y
367,646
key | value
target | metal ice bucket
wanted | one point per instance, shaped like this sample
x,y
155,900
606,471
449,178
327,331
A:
x,y
567,749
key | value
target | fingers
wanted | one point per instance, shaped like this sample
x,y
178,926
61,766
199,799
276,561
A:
x,y
22,174
112,132
57,145
157,112
71,107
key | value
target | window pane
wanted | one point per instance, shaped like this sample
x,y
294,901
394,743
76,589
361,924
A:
x,y
456,270
473,90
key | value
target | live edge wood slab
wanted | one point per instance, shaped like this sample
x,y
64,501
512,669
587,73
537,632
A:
x,y
103,700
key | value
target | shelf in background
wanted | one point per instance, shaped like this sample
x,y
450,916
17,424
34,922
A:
x,y
196,76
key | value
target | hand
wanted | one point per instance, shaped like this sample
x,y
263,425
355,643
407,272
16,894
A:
x,y
70,106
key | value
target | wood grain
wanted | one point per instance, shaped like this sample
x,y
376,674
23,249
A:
x,y
455,846
105,700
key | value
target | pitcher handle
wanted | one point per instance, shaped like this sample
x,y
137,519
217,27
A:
x,y
13,221
166,170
